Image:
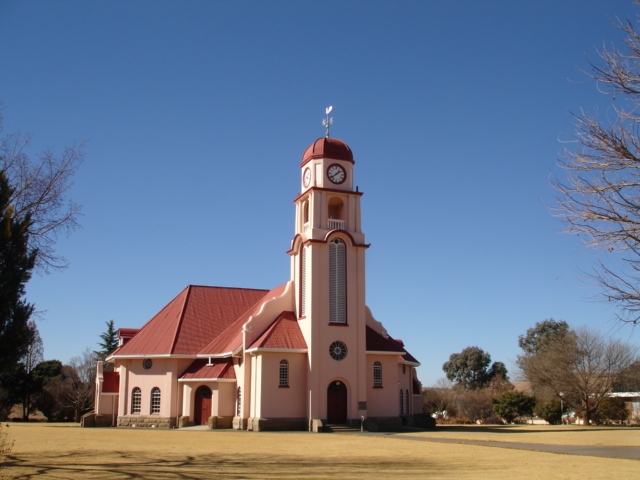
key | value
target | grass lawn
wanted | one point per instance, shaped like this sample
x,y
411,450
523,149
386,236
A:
x,y
63,451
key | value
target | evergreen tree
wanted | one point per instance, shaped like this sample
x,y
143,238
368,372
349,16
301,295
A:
x,y
16,263
109,341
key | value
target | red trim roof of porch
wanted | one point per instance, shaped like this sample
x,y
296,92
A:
x,y
219,368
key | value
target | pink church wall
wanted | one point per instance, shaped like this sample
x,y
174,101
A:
x,y
273,401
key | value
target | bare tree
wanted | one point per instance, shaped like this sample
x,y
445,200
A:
x,y
29,361
40,189
80,378
580,367
600,198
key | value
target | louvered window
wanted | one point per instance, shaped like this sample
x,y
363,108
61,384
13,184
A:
x,y
303,287
136,400
377,374
284,373
337,282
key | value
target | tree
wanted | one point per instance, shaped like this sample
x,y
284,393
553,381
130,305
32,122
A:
x,y
17,260
33,356
109,341
470,368
580,368
39,190
80,377
439,398
549,410
629,379
543,332
600,199
513,404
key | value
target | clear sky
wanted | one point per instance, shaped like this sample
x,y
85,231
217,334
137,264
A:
x,y
196,115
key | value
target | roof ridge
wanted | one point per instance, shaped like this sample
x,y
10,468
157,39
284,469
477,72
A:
x,y
182,313
231,288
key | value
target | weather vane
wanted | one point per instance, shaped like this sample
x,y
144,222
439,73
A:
x,y
327,121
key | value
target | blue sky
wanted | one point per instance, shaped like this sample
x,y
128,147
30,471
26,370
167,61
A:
x,y
196,115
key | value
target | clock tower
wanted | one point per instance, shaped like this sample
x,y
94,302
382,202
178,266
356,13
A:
x,y
328,271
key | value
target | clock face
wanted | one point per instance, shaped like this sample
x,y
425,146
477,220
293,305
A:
x,y
306,179
338,350
336,173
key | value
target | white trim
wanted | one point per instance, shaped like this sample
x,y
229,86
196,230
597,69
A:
x,y
215,355
373,352
221,380
164,355
407,362
278,350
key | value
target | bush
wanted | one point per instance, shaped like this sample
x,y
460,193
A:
x,y
513,404
611,409
549,411
492,421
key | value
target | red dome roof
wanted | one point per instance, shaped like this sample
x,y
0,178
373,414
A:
x,y
328,148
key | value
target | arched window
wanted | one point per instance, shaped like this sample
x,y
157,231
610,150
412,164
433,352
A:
x,y
155,400
377,374
406,401
284,373
304,269
337,282
305,212
401,403
239,402
136,400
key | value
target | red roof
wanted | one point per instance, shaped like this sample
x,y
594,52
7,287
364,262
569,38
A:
x,y
328,148
231,338
378,343
283,333
200,369
191,320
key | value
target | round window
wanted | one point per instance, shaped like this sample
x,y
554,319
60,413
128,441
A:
x,y
147,363
338,350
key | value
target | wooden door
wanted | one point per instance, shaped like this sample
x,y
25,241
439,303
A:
x,y
337,402
202,406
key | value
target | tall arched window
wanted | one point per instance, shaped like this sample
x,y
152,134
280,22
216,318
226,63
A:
x,y
136,400
377,374
303,283
337,282
155,400
239,402
284,373
401,403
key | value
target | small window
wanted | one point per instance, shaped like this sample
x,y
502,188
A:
x,y
239,402
377,374
136,400
406,400
401,403
284,373
155,400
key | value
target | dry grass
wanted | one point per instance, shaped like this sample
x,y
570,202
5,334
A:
x,y
542,434
69,452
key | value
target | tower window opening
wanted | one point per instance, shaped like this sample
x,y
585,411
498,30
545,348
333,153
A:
x,y
305,212
303,275
336,213
337,282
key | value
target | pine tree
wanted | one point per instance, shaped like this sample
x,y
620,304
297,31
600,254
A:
x,y
109,341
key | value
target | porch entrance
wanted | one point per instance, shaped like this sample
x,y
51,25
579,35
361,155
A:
x,y
337,402
202,406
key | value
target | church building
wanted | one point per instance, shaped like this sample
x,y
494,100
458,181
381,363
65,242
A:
x,y
301,356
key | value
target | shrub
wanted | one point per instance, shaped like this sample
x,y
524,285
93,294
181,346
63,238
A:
x,y
549,411
492,421
611,409
513,404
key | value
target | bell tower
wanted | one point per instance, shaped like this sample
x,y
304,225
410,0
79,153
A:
x,y
328,270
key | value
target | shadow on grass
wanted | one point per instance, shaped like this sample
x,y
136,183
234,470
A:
x,y
125,465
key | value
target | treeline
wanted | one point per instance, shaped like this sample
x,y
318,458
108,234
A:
x,y
566,369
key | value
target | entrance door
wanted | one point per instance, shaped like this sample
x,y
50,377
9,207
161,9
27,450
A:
x,y
337,402
202,406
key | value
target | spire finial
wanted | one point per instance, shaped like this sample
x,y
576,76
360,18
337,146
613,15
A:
x,y
327,121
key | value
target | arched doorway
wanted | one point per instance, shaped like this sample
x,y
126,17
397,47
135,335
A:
x,y
337,402
202,406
